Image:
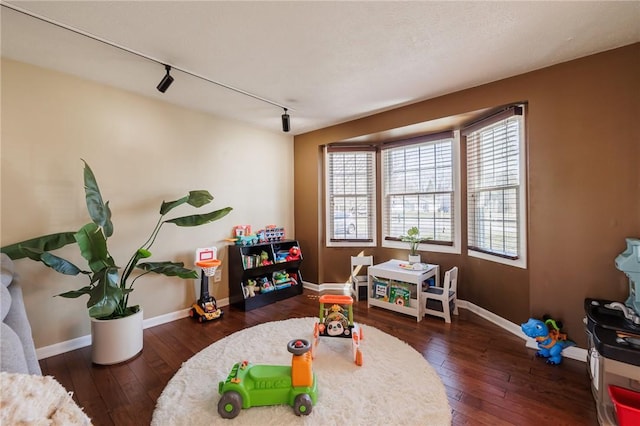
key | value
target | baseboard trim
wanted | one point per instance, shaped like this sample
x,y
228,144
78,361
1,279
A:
x,y
346,287
83,341
572,352
80,342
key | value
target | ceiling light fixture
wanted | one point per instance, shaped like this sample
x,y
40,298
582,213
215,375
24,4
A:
x,y
285,121
166,80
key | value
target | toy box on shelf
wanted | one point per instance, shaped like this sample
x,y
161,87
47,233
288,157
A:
x,y
257,277
242,235
271,233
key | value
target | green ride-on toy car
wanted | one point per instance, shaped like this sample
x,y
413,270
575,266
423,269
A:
x,y
251,385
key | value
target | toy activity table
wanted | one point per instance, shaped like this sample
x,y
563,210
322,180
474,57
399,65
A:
x,y
398,271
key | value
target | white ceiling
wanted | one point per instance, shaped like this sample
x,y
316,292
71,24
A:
x,y
328,62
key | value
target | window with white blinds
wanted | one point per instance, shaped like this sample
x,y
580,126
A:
x,y
419,188
351,179
496,187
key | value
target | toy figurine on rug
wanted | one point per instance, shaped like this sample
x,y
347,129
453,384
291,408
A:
x,y
551,342
336,320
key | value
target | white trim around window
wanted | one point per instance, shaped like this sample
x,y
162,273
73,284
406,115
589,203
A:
x,y
350,191
455,244
496,193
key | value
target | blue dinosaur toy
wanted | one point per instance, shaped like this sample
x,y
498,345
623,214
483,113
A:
x,y
550,340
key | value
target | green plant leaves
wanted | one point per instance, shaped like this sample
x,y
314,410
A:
x,y
60,265
99,212
108,293
199,198
200,219
143,253
93,247
38,245
194,198
105,296
170,269
76,293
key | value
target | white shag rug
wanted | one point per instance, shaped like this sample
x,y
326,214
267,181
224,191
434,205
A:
x,y
395,385
27,399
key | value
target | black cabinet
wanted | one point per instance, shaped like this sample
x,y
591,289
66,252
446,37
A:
x,y
262,274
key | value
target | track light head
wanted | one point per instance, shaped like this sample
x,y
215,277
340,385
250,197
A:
x,y
285,121
166,80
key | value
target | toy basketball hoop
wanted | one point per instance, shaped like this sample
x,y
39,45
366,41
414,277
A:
x,y
206,307
209,267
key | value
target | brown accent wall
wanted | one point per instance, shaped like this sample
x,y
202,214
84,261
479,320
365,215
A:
x,y
583,153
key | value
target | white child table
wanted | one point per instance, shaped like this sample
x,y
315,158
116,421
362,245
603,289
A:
x,y
392,270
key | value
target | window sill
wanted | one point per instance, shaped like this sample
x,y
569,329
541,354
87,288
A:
x,y
517,263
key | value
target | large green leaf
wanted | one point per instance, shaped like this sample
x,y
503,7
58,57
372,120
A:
x,y
170,269
200,219
60,265
73,294
40,244
199,198
99,212
105,295
194,198
167,206
93,247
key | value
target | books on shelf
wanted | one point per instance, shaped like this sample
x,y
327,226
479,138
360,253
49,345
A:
x,y
251,261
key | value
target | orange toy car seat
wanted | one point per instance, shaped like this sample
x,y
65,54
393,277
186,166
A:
x,y
301,372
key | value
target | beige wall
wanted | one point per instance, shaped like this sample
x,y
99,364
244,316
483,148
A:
x,y
142,152
583,151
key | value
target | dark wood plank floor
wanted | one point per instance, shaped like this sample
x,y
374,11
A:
x,y
490,376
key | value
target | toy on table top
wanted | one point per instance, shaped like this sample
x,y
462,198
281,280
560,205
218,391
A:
x,y
336,320
551,341
250,385
206,307
418,266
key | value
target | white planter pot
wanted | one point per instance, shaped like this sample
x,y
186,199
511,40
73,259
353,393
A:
x,y
415,258
117,340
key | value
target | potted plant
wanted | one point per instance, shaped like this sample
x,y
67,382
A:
x,y
109,286
413,238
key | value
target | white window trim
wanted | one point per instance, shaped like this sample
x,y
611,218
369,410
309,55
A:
x,y
521,261
327,212
457,197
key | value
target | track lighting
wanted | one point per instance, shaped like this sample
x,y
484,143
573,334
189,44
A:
x,y
285,121
166,80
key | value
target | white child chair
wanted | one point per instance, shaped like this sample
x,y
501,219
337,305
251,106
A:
x,y
445,296
358,273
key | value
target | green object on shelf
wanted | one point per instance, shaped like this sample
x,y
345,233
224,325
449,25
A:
x,y
399,295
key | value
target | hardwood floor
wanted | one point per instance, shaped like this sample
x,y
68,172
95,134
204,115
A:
x,y
489,375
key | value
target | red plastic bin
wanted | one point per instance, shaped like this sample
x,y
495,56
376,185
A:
x,y
627,405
